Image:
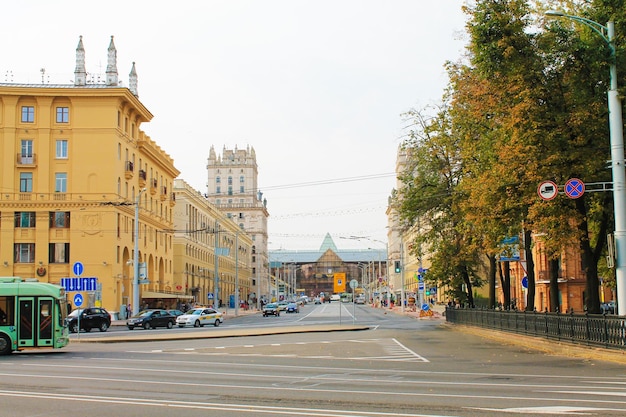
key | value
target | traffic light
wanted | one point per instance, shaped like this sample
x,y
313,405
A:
x,y
398,268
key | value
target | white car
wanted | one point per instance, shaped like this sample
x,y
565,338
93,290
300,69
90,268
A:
x,y
198,317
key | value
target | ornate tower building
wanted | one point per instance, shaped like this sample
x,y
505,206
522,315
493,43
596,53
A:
x,y
232,187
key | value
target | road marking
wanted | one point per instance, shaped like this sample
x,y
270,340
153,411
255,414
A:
x,y
557,409
395,351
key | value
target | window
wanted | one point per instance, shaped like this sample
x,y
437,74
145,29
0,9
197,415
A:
x,y
24,253
230,180
26,182
25,219
241,179
59,253
28,114
63,114
218,190
26,152
59,219
61,149
60,182
230,190
241,190
218,180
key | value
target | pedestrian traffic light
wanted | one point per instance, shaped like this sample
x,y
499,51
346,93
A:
x,y
398,269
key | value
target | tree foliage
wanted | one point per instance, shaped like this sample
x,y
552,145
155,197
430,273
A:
x,y
528,104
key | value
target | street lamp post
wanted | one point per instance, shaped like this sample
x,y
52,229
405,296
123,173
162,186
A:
x,y
617,155
136,255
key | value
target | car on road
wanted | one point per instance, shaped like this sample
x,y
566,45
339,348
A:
x,y
359,300
293,308
271,309
90,318
175,313
199,317
151,319
335,297
282,305
318,300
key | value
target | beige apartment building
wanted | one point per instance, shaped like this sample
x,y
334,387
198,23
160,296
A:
x,y
75,165
202,235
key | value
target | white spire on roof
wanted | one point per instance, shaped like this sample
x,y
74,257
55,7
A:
x,y
80,73
112,65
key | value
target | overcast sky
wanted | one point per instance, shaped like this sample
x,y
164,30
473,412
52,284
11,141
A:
x,y
316,87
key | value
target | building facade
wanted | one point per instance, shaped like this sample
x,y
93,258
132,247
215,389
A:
x,y
232,186
203,234
75,166
329,270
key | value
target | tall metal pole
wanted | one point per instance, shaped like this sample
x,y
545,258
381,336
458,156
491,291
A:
x,y
619,180
237,273
216,278
136,255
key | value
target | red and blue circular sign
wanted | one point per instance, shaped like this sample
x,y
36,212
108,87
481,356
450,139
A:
x,y
574,188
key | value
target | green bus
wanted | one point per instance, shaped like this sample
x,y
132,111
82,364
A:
x,y
32,315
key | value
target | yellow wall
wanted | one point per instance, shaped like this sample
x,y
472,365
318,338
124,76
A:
x,y
104,135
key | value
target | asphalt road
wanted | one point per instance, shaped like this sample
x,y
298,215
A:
x,y
307,364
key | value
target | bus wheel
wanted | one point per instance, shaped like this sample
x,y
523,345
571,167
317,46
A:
x,y
5,344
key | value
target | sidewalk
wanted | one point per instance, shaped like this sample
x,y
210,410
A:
x,y
434,311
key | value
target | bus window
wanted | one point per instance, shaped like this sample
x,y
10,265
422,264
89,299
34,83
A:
x,y
45,319
7,311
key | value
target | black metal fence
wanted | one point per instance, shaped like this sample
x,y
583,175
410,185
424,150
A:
x,y
607,331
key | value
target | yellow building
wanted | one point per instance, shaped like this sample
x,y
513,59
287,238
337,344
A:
x,y
202,234
74,163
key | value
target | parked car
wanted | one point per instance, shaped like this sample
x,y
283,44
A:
x,y
175,313
335,297
90,318
293,308
150,319
200,316
271,309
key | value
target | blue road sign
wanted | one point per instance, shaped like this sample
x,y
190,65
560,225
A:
x,y
525,282
78,268
425,307
78,300
80,284
574,188
210,296
420,286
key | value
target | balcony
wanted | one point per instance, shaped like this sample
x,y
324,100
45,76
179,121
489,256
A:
x,y
129,169
142,178
163,195
153,186
173,200
26,160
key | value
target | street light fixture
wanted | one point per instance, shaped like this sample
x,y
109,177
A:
x,y
136,255
617,155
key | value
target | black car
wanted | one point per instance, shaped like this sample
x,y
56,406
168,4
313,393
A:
x,y
150,319
271,309
90,318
